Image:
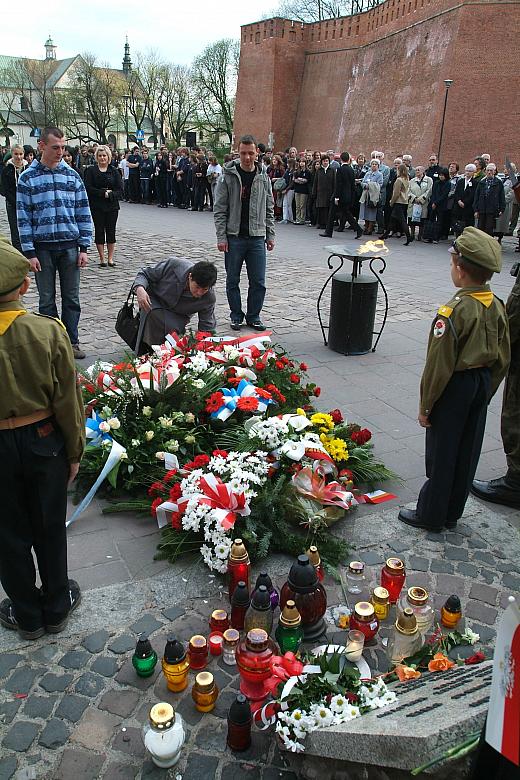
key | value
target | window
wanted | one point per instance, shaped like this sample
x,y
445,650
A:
x,y
24,105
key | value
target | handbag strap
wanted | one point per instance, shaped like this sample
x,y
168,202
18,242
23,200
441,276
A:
x,y
131,295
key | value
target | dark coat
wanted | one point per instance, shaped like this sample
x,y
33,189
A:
x,y
440,192
323,187
489,200
96,184
10,176
467,196
345,186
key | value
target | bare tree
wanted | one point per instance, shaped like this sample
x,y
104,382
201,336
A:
x,y
179,106
215,74
7,101
316,10
93,99
32,84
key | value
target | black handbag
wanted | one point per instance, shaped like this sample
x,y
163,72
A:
x,y
127,323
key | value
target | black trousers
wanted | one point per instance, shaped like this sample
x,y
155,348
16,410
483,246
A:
x,y
134,187
13,225
453,445
33,484
161,182
199,192
344,214
399,218
104,226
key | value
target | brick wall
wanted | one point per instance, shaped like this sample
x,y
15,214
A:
x,y
377,80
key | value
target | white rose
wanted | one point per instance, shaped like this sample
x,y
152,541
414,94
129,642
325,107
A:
x,y
135,442
189,417
124,455
172,445
114,423
147,411
149,435
104,426
159,455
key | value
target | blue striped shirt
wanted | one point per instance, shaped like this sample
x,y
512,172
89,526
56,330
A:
x,y
52,208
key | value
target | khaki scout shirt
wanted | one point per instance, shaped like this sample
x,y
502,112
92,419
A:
x,y
470,331
37,372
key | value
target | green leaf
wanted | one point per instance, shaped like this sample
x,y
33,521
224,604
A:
x,y
112,475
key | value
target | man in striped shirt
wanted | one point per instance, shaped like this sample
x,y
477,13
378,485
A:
x,y
55,229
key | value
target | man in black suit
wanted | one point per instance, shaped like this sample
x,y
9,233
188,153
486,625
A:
x,y
462,212
342,200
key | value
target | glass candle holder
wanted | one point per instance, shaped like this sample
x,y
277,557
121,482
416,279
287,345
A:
x,y
364,619
215,642
229,648
355,576
451,612
198,652
381,602
239,724
259,614
406,639
238,567
392,578
417,599
289,632
163,735
354,645
219,620
239,606
204,692
253,657
175,665
144,657
264,579
314,556
307,592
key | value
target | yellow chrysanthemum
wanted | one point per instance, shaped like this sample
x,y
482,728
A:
x,y
301,412
337,449
323,422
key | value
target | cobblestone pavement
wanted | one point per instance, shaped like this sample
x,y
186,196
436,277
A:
x,y
71,705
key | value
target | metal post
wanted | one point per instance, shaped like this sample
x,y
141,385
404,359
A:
x,y
447,84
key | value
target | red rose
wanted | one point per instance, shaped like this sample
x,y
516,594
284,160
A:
x,y
476,658
295,379
155,503
336,415
346,473
221,453
255,353
361,437
231,371
304,367
214,402
317,392
248,404
285,360
279,365
259,365
202,334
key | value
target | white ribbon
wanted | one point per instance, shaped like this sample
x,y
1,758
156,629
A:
x,y
114,456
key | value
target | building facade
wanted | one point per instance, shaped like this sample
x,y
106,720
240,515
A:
x,y
376,80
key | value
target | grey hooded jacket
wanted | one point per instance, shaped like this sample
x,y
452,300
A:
x,y
227,205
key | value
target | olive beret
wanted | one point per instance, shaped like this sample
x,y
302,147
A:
x,y
480,248
13,267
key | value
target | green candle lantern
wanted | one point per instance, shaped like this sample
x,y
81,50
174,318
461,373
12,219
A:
x,y
144,657
289,632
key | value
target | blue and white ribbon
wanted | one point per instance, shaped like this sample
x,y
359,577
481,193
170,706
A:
x,y
231,397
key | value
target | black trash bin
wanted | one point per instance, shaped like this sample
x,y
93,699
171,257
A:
x,y
352,313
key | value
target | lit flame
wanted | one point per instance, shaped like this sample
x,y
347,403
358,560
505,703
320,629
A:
x,y
377,247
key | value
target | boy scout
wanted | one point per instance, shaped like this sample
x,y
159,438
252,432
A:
x,y
42,432
467,358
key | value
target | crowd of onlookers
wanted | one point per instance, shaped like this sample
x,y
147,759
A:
x,y
427,202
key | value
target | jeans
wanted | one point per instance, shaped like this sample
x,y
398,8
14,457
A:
x,y
145,190
250,250
65,262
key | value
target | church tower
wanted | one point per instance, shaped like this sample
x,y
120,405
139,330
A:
x,y
127,62
50,49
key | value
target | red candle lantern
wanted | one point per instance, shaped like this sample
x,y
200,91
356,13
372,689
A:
x,y
239,605
364,619
253,657
393,576
198,652
239,566
215,641
304,588
219,620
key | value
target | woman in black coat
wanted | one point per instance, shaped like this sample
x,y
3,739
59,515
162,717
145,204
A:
x,y
161,180
438,203
323,190
104,190
462,211
10,175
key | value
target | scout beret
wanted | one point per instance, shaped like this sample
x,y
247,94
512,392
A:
x,y
480,248
13,267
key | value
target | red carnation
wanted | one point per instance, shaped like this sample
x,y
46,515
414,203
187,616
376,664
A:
x,y
259,365
155,488
155,503
295,379
255,353
285,360
234,381
476,658
202,334
281,398
304,367
175,492
214,402
220,453
279,365
317,392
231,371
176,520
169,475
248,404
361,437
200,461
336,415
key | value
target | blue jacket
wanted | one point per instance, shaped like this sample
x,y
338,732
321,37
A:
x,y
52,208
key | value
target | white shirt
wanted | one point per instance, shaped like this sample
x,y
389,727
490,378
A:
x,y
123,166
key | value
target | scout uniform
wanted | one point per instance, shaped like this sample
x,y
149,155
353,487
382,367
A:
x,y
468,356
42,431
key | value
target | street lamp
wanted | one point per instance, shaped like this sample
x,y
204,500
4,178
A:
x,y
126,98
447,84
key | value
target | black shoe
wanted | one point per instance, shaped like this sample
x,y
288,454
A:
x,y
359,234
340,230
409,240
450,525
8,620
498,491
326,235
257,325
78,353
409,516
236,324
75,601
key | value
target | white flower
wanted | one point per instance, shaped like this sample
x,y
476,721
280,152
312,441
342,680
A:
x,y
189,439
172,445
296,421
322,715
146,411
124,455
198,383
222,550
104,426
149,435
338,703
106,411
114,423
106,444
189,417
166,422
159,455
135,442
470,636
293,746
294,450
198,363
130,468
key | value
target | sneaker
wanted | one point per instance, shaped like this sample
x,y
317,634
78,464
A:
x,y
75,601
257,325
8,620
236,324
78,352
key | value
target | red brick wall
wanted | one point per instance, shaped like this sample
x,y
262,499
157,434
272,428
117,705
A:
x,y
376,80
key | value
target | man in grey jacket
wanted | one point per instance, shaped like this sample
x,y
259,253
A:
x,y
168,294
244,220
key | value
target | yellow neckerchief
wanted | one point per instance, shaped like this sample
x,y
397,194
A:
x,y
485,296
8,317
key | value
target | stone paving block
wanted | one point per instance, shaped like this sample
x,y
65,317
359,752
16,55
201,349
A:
x,y
120,772
186,708
39,706
416,563
373,558
212,736
224,702
72,707
20,736
506,567
485,557
239,771
475,543
90,684
8,767
487,575
200,766
222,679
510,581
22,679
467,569
51,682
485,633
441,567
456,553
8,661
128,740
478,611
435,537
150,771
499,553
454,538
54,735
74,659
259,748
146,624
273,773
95,729
399,545
172,613
105,665
45,654
449,584
8,710
95,642
122,644
121,703
128,676
79,765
